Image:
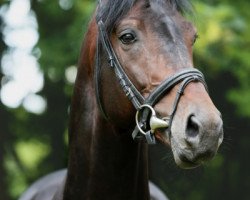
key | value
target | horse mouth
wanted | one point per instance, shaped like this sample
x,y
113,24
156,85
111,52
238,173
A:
x,y
183,162
184,156
192,159
180,158
186,163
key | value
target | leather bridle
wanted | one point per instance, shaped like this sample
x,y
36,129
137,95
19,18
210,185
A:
x,y
144,107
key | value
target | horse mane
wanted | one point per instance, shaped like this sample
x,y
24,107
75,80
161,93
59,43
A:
x,y
112,11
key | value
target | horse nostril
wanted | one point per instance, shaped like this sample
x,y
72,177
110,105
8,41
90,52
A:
x,y
192,129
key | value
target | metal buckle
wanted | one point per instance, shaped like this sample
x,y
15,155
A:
x,y
139,126
154,123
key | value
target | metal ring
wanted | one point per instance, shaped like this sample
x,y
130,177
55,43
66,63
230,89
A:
x,y
137,116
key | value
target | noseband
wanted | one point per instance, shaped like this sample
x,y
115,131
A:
x,y
145,116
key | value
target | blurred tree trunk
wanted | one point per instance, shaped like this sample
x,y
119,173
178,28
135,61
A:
x,y
3,142
3,132
54,122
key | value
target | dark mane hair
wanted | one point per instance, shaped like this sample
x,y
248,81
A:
x,y
112,11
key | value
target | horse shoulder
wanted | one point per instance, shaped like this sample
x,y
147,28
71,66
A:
x,y
46,187
50,187
155,192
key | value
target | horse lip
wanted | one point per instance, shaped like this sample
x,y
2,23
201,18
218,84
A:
x,y
197,159
186,163
184,158
161,135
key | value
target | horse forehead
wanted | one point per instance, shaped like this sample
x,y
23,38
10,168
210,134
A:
x,y
160,12
162,6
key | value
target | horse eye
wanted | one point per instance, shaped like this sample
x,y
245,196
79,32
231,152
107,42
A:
x,y
127,38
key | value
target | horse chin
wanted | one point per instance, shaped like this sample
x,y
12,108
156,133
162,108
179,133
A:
x,y
179,155
188,158
183,162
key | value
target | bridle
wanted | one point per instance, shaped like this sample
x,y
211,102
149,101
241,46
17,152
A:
x,y
145,116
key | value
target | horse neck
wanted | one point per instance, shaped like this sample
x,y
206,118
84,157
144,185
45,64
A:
x,y
118,166
104,163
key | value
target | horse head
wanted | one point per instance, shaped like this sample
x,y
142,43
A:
x,y
152,44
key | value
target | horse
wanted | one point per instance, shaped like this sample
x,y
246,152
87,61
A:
x,y
136,85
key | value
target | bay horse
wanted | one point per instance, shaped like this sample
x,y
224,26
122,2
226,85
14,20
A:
x,y
136,85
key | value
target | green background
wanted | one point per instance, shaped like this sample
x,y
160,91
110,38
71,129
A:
x,y
32,145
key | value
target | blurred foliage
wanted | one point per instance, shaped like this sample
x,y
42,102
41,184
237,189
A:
x,y
32,145
225,45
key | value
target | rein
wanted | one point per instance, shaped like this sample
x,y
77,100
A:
x,y
146,120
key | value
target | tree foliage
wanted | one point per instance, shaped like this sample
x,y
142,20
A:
x,y
32,145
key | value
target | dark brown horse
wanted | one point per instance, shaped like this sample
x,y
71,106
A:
x,y
136,61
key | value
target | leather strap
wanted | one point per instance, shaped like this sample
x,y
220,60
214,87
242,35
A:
x,y
169,83
128,87
186,76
